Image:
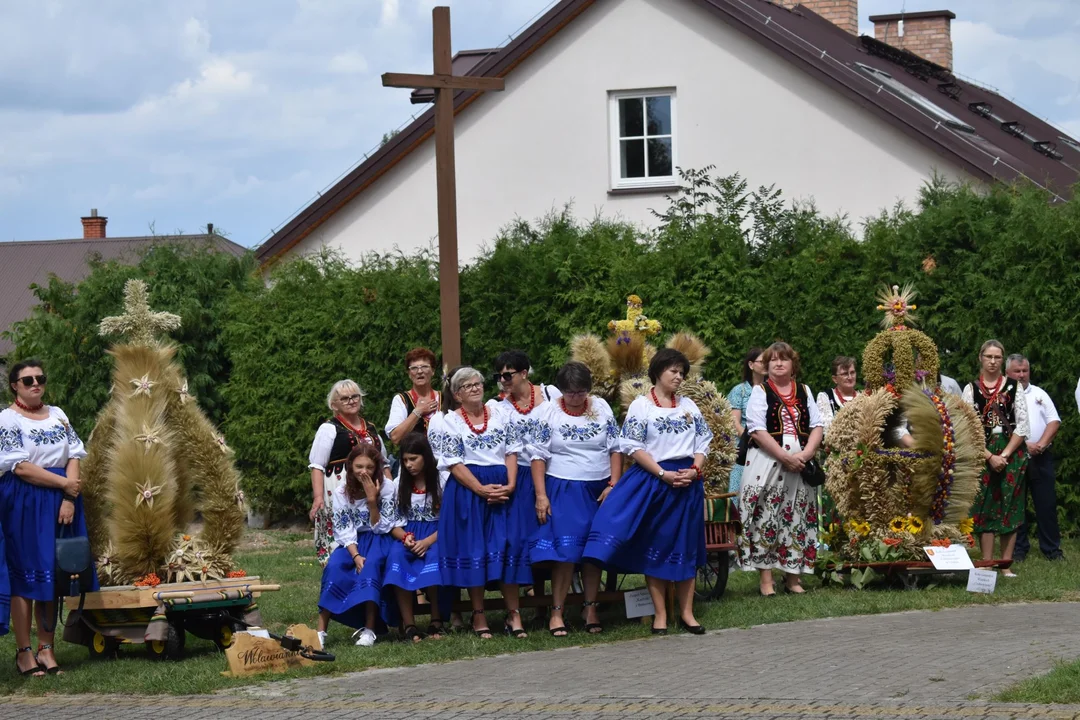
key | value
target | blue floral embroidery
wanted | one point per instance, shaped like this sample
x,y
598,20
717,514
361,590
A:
x,y
388,507
421,511
634,429
700,426
72,436
612,428
453,446
675,424
352,516
580,433
10,439
542,433
50,436
525,430
489,440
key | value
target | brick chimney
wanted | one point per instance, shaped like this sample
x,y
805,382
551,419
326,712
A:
x,y
93,227
927,34
844,14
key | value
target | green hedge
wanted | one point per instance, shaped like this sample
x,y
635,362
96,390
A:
x,y
736,266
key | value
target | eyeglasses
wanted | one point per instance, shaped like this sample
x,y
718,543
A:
x,y
506,376
576,393
417,369
471,386
350,398
29,380
992,358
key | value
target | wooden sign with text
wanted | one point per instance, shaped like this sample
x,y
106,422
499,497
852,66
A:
x,y
249,654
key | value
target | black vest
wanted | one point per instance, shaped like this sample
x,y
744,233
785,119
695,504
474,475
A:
x,y
777,412
345,441
1001,413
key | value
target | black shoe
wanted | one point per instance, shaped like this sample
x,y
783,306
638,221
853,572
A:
x,y
1019,558
692,629
1055,558
659,631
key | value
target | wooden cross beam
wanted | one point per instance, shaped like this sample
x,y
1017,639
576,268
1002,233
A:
x,y
445,83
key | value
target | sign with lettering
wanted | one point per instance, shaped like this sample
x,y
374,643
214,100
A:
x,y
638,603
954,557
250,654
982,581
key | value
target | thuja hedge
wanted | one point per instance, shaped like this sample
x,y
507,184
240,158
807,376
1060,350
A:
x,y
736,267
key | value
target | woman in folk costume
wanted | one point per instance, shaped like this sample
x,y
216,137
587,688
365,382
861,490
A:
x,y
844,377
778,509
39,499
999,506
575,454
364,513
521,401
412,411
653,522
753,374
333,441
478,447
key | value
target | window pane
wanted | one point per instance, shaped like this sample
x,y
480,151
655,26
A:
x,y
659,115
660,157
631,118
633,158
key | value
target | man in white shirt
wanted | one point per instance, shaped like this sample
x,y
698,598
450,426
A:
x,y
950,386
1044,420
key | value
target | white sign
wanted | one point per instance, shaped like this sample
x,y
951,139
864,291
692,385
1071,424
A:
x,y
954,557
981,581
638,603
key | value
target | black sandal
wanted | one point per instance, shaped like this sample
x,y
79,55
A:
x,y
482,631
593,628
38,667
412,633
509,629
55,669
561,629
436,631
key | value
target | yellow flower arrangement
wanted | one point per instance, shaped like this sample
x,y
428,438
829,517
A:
x,y
967,526
863,528
898,524
914,525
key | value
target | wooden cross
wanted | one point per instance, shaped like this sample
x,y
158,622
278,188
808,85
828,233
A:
x,y
445,83
138,322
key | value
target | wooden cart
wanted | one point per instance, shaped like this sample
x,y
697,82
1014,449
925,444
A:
x,y
160,617
908,573
721,529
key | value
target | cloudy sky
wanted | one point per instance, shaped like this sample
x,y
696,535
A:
x,y
176,113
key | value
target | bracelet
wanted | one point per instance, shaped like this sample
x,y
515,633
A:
x,y
408,536
696,470
71,498
417,413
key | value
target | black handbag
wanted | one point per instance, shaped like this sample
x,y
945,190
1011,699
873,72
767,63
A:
x,y
74,565
742,449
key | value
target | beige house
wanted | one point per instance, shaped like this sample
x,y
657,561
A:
x,y
605,99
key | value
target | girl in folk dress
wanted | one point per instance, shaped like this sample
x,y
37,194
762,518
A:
x,y
39,496
479,448
333,441
779,511
653,522
999,506
364,507
413,563
575,454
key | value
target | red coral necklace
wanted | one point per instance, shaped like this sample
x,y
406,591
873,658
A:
x,y
656,400
571,413
789,400
19,404
532,400
361,432
476,430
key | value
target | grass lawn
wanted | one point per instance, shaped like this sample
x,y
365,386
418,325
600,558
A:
x,y
287,558
1060,685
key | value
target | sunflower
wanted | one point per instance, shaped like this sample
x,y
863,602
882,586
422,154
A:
x,y
914,525
967,526
898,524
863,529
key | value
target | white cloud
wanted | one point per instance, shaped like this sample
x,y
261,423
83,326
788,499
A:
x,y
195,38
350,62
389,13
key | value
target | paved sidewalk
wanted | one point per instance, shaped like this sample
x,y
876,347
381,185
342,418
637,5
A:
x,y
909,665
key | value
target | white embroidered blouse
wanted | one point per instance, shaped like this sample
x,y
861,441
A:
x,y
758,407
665,433
459,444
399,413
353,518
525,426
420,508
47,443
575,447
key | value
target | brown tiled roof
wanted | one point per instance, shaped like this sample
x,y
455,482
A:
x,y
1008,142
32,262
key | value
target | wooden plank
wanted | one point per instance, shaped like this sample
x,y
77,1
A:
x,y
129,596
453,82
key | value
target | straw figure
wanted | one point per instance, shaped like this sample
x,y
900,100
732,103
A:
x,y
153,460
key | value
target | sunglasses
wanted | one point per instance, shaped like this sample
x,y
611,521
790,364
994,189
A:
x,y
506,376
29,380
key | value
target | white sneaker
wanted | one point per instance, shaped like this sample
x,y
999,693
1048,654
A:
x,y
322,638
367,637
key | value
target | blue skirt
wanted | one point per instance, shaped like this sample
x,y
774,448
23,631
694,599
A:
x,y
5,589
344,591
474,537
28,514
573,507
646,526
409,572
521,526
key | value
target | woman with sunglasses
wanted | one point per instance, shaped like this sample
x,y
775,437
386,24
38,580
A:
x,y
477,445
39,497
575,453
521,401
412,411
333,441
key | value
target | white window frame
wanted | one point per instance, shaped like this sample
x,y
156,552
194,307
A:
x,y
617,181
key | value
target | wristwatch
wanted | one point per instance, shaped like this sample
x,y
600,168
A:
x,y
661,473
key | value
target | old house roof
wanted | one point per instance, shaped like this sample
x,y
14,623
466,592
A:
x,y
969,126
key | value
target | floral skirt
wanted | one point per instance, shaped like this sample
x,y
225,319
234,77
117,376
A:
x,y
779,513
999,506
324,519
